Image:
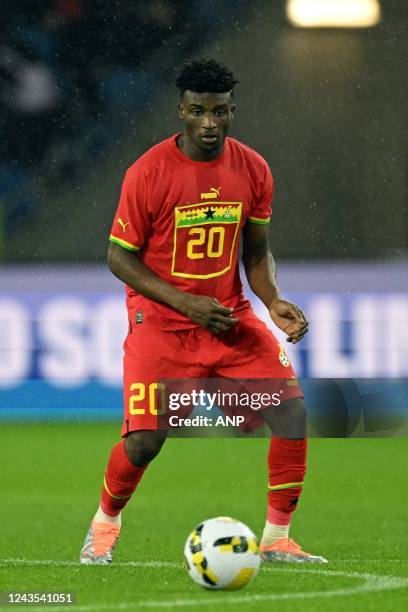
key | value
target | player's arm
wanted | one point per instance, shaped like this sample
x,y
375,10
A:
x,y
260,270
203,310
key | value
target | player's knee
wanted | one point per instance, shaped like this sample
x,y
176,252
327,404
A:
x,y
295,409
143,446
288,420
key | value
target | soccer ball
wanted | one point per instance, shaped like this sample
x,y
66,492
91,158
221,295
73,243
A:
x,y
222,553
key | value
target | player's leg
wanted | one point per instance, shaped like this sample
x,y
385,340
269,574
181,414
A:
x,y
254,353
286,466
150,356
127,463
286,472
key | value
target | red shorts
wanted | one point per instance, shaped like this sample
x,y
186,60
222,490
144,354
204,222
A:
x,y
248,351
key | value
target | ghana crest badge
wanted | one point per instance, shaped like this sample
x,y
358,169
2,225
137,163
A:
x,y
283,358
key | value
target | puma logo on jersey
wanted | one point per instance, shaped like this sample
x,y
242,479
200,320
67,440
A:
x,y
122,224
212,194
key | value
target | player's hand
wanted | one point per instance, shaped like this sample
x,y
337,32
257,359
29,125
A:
x,y
290,319
209,313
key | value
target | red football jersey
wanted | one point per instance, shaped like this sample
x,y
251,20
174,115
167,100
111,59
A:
x,y
184,218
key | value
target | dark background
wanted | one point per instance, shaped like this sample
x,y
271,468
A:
x,y
86,87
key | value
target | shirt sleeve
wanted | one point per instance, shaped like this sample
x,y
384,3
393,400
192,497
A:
x,y
131,226
262,207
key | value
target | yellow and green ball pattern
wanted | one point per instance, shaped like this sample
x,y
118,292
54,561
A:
x,y
222,553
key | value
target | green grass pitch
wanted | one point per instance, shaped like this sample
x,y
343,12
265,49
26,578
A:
x,y
353,511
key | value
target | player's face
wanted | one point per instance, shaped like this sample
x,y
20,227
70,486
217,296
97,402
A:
x,y
207,117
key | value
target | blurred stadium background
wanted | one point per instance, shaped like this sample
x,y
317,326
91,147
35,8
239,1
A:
x,y
86,87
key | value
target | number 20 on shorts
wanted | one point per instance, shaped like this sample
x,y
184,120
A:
x,y
137,401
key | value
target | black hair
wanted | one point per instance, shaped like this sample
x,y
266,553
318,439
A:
x,y
205,76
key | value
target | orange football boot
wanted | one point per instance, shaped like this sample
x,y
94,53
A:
x,y
100,542
287,550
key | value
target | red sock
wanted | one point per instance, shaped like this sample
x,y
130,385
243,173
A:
x,y
121,480
286,471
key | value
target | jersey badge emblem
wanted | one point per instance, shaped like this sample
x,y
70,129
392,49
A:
x,y
283,358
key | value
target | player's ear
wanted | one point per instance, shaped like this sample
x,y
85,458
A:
x,y
232,110
181,110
